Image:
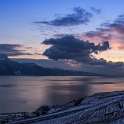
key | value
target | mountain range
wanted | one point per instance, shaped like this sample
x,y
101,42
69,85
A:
x,y
9,67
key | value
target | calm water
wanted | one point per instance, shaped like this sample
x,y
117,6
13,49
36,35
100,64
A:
x,y
28,93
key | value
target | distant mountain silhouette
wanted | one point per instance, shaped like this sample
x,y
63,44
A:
x,y
8,67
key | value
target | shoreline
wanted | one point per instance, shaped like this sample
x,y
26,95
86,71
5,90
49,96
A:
x,y
106,106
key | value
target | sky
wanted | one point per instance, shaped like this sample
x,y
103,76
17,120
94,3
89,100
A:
x,y
82,31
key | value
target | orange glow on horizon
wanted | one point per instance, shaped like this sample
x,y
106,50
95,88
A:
x,y
113,59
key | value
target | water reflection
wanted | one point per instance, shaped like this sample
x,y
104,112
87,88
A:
x,y
28,93
64,92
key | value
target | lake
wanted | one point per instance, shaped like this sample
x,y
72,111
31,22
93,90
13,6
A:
x,y
27,93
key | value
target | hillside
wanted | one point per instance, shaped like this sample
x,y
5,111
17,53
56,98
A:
x,y
8,67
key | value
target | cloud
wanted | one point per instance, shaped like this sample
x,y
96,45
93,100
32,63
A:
x,y
117,25
107,28
70,48
38,54
12,49
102,34
79,16
112,31
95,10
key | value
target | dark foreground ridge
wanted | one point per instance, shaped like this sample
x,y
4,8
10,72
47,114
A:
x,y
100,108
12,68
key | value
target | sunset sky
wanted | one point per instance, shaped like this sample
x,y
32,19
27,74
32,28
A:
x,y
26,27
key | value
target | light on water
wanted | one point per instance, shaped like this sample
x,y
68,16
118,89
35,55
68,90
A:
x,y
28,93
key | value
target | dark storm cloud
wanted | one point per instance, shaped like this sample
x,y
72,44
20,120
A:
x,y
95,10
12,49
80,16
71,48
